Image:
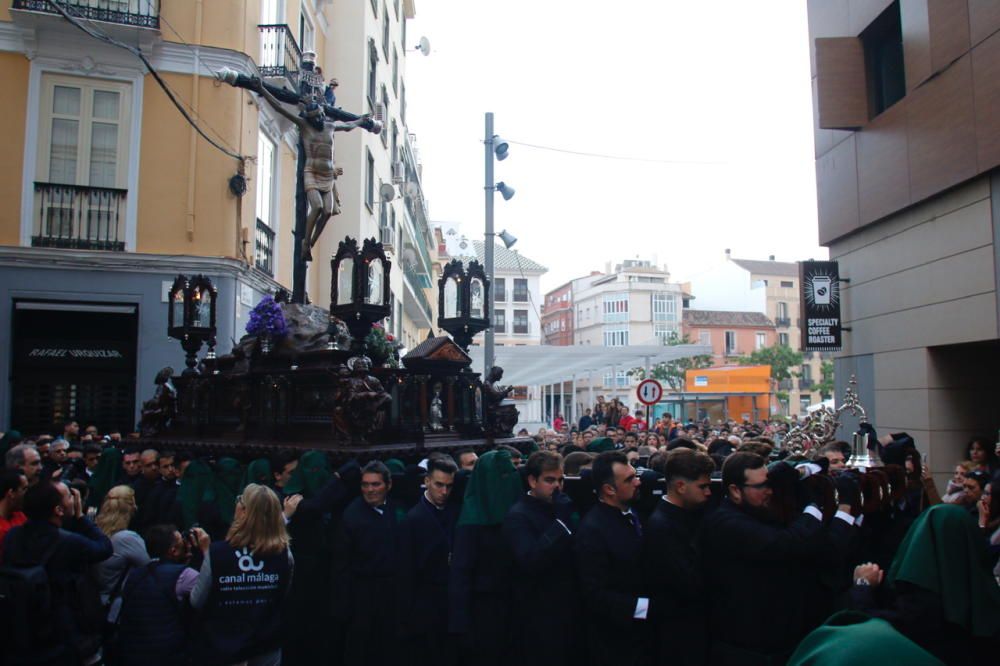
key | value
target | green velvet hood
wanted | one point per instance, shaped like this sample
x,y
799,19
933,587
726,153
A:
x,y
493,488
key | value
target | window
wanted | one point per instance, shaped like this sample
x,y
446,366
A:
x,y
760,340
807,372
664,332
370,182
499,290
804,403
385,124
787,284
615,308
883,46
385,33
520,290
500,321
383,210
82,168
704,337
622,377
372,74
395,142
395,71
265,178
520,321
664,307
307,34
782,310
730,343
402,101
783,339
616,337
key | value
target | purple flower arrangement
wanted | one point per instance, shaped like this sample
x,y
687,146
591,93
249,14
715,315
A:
x,y
267,320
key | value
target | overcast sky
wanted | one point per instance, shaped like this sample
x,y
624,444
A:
x,y
719,88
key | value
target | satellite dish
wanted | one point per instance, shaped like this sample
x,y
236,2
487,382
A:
x,y
424,46
387,192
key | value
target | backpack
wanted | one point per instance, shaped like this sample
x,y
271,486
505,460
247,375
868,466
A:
x,y
26,601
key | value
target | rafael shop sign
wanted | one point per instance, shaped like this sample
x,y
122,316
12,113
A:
x,y
821,326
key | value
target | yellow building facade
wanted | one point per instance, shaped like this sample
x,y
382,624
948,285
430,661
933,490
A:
x,y
110,192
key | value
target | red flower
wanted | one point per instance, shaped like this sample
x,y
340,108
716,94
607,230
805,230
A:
x,y
389,337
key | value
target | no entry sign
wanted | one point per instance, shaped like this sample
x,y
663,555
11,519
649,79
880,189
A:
x,y
649,391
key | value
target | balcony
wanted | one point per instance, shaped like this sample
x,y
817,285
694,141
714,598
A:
x,y
280,54
782,322
805,384
785,385
263,248
417,308
136,13
79,217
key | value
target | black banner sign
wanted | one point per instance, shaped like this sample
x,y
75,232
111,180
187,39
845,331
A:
x,y
820,293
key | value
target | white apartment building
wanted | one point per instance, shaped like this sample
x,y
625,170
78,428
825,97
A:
x,y
635,304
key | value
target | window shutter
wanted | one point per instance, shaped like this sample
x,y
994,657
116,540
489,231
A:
x,y
842,96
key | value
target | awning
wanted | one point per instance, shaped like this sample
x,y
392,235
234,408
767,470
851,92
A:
x,y
544,364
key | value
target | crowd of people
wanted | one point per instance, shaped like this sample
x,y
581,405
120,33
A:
x,y
691,543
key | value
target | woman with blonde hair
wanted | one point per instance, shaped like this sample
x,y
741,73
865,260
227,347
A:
x,y
242,585
117,511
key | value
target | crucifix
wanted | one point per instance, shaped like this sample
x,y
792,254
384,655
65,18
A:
x,y
316,172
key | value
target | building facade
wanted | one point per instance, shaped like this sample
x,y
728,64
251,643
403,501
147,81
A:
x,y
110,192
908,195
557,316
732,335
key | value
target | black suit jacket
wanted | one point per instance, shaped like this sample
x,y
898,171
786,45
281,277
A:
x,y
758,574
609,558
426,538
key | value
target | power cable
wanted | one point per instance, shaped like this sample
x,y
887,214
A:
x,y
623,158
156,76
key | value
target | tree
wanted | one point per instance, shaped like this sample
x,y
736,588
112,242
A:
x,y
671,373
825,386
781,358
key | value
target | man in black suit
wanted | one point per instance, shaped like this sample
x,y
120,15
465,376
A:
x,y
609,557
538,531
672,562
426,538
757,571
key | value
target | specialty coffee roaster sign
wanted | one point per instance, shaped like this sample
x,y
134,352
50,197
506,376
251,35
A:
x,y
820,285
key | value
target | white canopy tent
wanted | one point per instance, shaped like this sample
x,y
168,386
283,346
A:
x,y
542,365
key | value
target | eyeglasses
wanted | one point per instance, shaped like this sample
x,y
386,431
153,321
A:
x,y
758,486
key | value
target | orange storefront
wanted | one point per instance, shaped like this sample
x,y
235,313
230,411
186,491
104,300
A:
x,y
731,392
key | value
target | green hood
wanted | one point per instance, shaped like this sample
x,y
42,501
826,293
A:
x,y
226,486
396,466
311,474
106,475
9,438
600,445
194,487
493,488
854,638
258,471
943,552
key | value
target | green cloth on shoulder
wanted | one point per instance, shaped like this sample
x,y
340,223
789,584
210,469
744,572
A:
x,y
600,445
493,488
853,638
195,485
226,485
258,471
106,475
943,552
311,474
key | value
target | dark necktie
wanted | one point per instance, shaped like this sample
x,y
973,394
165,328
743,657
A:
x,y
634,522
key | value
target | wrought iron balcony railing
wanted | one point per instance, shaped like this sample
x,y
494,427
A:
x,y
805,384
783,322
263,248
138,13
280,54
79,217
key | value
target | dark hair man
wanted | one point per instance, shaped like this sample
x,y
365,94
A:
x,y
834,454
366,569
71,430
761,571
282,466
58,534
130,463
466,459
148,491
13,485
426,538
152,627
671,561
631,440
608,548
537,529
586,420
25,457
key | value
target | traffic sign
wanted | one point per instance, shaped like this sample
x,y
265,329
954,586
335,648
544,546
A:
x,y
649,391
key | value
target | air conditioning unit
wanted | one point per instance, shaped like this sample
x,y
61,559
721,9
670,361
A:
x,y
387,236
380,113
398,173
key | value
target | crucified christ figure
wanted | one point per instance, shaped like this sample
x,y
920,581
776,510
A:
x,y
320,172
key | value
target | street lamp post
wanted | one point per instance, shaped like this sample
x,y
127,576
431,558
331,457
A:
x,y
489,188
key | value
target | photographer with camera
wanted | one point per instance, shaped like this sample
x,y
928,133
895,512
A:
x,y
153,625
